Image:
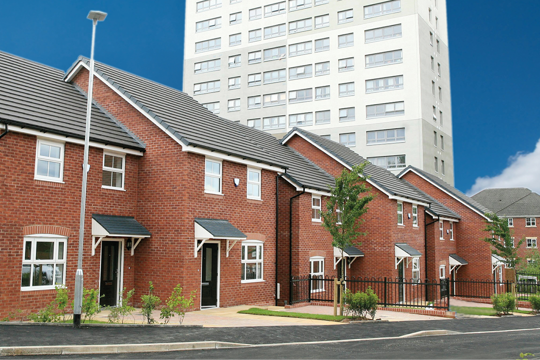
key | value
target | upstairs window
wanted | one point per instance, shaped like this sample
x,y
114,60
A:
x,y
346,89
400,213
383,110
254,79
346,65
322,45
510,222
44,262
299,26
275,9
415,215
254,102
348,139
315,208
300,72
208,4
386,136
452,231
274,31
255,35
530,221
212,176
49,161
304,119
254,57
322,21
345,16
255,14
347,114
322,117
113,171
235,18
235,39
300,95
346,40
208,45
233,105
274,122
384,33
274,99
235,61
210,24
299,4
385,58
531,243
384,8
213,107
254,184
389,162
302,48
441,230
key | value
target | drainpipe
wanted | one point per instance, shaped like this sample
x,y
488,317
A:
x,y
277,236
290,241
425,241
5,131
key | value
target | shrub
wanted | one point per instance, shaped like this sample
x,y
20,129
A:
x,y
149,303
48,314
504,303
535,303
361,304
118,313
90,305
176,304
62,301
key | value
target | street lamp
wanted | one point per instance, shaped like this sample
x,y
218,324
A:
x,y
95,16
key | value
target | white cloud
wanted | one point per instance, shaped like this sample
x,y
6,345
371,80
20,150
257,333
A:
x,y
523,170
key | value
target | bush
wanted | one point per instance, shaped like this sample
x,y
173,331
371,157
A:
x,y
176,304
149,303
90,305
504,303
535,303
45,315
118,313
62,301
361,304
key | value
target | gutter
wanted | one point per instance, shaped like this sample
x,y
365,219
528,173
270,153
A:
x,y
290,241
5,131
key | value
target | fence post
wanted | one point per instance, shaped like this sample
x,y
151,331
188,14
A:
x,y
385,287
335,295
309,288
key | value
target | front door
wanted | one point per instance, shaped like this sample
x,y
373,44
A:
x,y
401,278
209,280
109,273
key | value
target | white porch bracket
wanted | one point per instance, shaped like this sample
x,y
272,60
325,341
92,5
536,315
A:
x,y
134,245
198,247
353,259
399,261
495,267
455,267
229,247
336,262
95,243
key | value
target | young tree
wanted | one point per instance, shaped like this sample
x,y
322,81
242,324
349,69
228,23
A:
x,y
344,210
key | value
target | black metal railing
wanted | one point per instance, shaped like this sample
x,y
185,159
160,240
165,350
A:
x,y
484,289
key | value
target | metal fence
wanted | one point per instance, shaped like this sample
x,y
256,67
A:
x,y
484,289
391,292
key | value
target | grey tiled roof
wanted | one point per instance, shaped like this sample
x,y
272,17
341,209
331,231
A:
x,y
459,259
35,96
381,177
121,225
510,202
409,249
448,188
220,228
353,251
438,209
194,125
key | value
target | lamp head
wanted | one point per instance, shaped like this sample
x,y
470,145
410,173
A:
x,y
97,15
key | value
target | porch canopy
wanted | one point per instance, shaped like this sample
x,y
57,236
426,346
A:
x,y
404,251
206,229
350,252
496,262
456,262
117,226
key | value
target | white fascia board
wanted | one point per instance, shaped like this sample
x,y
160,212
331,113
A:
x,y
448,219
404,199
446,192
63,138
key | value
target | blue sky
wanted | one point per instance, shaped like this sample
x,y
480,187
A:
x,y
493,49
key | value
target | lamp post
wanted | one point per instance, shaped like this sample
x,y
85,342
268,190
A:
x,y
95,16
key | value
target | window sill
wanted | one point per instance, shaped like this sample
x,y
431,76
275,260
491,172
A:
x,y
316,222
529,226
385,143
254,201
49,180
112,188
401,225
441,239
252,281
213,195
316,291
44,288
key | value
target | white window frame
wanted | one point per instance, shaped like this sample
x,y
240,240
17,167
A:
x,y
371,14
274,122
322,71
415,270
325,120
530,222
257,37
319,274
254,79
232,61
324,48
256,16
322,21
34,239
345,44
343,16
381,137
212,175
400,220
253,123
315,207
347,118
259,259
249,182
254,102
442,272
532,243
235,39
510,222
415,215
234,83
234,19
236,107
212,105
390,162
49,159
348,143
348,91
120,171
441,230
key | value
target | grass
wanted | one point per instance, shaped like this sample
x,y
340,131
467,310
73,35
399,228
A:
x,y
257,311
483,311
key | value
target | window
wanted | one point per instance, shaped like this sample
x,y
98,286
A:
x,y
348,139
255,35
384,84
316,264
346,89
49,161
384,8
322,92
206,87
233,105
347,114
304,119
451,231
430,38
440,118
44,262
274,31
275,122
385,58
346,65
254,79
389,162
432,63
299,26
321,2
235,18
213,107
254,57
113,171
510,222
299,4
438,46
212,176
327,137
433,88
275,53
345,16
302,48
274,99
208,45
207,66
530,221
253,184
322,21
234,83
322,45
345,40
384,110
322,117
531,243
439,69
300,95
442,142
235,1
315,208
208,25
235,61
383,33
275,76
255,14
235,39
254,102
275,9
386,136
415,215
435,138
436,22
322,68
429,14
300,72
513,242
442,272
441,230
252,261
443,171
416,270
400,213
434,113
254,123
208,4
436,164
440,94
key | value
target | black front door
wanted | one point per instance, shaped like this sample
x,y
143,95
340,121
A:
x,y
209,280
109,273
401,278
